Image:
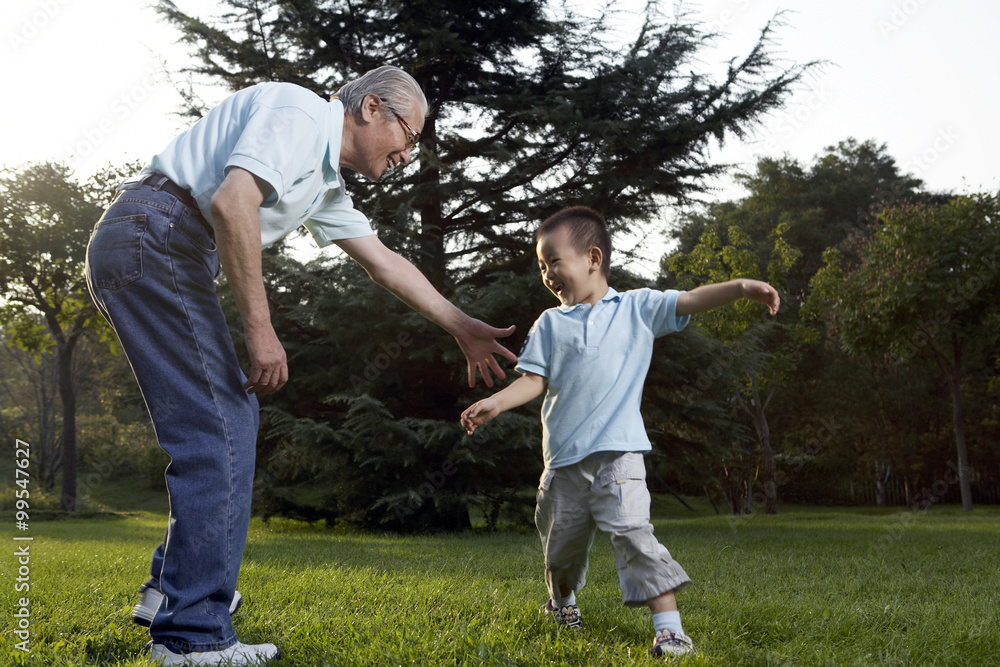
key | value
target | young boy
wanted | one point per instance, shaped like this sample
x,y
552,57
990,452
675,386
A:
x,y
590,357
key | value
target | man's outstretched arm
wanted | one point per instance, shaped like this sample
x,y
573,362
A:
x,y
395,273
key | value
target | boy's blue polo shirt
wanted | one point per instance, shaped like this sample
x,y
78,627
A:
x,y
595,360
285,135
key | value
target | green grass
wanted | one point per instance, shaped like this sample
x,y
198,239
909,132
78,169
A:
x,y
807,587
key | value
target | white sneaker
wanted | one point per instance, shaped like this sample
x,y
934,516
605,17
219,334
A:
x,y
667,643
568,616
149,602
237,655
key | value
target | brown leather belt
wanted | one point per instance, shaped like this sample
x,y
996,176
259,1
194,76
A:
x,y
161,182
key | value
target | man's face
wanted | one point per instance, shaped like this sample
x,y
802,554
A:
x,y
388,141
573,276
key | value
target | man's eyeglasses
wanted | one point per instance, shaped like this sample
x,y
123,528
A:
x,y
412,137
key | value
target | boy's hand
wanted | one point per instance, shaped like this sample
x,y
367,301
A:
x,y
478,343
479,413
761,292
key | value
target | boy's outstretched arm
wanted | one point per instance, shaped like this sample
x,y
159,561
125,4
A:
x,y
707,297
525,388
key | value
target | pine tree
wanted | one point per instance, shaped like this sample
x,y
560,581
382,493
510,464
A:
x,y
532,108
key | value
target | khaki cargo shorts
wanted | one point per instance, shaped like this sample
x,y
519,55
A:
x,y
605,491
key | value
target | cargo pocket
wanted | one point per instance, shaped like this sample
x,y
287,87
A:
x,y
543,484
625,477
546,479
114,255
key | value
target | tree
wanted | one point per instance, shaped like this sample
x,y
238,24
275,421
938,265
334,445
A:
x,y
531,108
29,386
818,206
687,409
815,206
925,285
761,356
45,221
367,430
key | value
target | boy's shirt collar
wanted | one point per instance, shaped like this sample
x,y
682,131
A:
x,y
611,295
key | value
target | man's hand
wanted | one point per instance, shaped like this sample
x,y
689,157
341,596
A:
x,y
478,342
268,363
235,206
395,273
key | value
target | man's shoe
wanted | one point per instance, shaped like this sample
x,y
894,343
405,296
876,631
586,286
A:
x,y
568,616
149,602
668,643
237,655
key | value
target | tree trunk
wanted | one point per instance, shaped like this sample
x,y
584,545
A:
x,y
958,418
433,261
759,417
736,484
770,470
749,474
48,445
68,395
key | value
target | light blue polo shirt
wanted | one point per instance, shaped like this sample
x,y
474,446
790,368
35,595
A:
x,y
285,135
595,359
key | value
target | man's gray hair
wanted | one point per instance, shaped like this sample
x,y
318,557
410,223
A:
x,y
397,89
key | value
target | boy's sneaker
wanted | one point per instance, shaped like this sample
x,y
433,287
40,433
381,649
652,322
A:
x,y
149,602
237,655
668,643
568,616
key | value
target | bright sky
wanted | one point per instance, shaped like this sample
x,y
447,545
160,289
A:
x,y
84,81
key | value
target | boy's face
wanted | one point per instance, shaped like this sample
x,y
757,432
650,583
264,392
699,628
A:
x,y
573,276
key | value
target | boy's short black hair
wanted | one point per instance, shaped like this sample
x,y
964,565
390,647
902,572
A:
x,y
587,230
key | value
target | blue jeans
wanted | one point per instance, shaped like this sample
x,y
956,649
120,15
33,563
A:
x,y
151,269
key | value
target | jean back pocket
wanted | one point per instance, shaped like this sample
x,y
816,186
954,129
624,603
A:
x,y
114,255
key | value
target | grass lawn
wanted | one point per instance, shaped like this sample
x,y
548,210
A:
x,y
807,587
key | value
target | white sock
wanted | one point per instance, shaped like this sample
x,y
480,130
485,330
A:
x,y
559,603
668,620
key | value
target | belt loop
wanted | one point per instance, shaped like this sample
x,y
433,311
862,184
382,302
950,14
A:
x,y
159,181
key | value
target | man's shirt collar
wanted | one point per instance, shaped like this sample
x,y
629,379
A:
x,y
335,143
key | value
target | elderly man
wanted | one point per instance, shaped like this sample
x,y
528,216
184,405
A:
x,y
263,162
